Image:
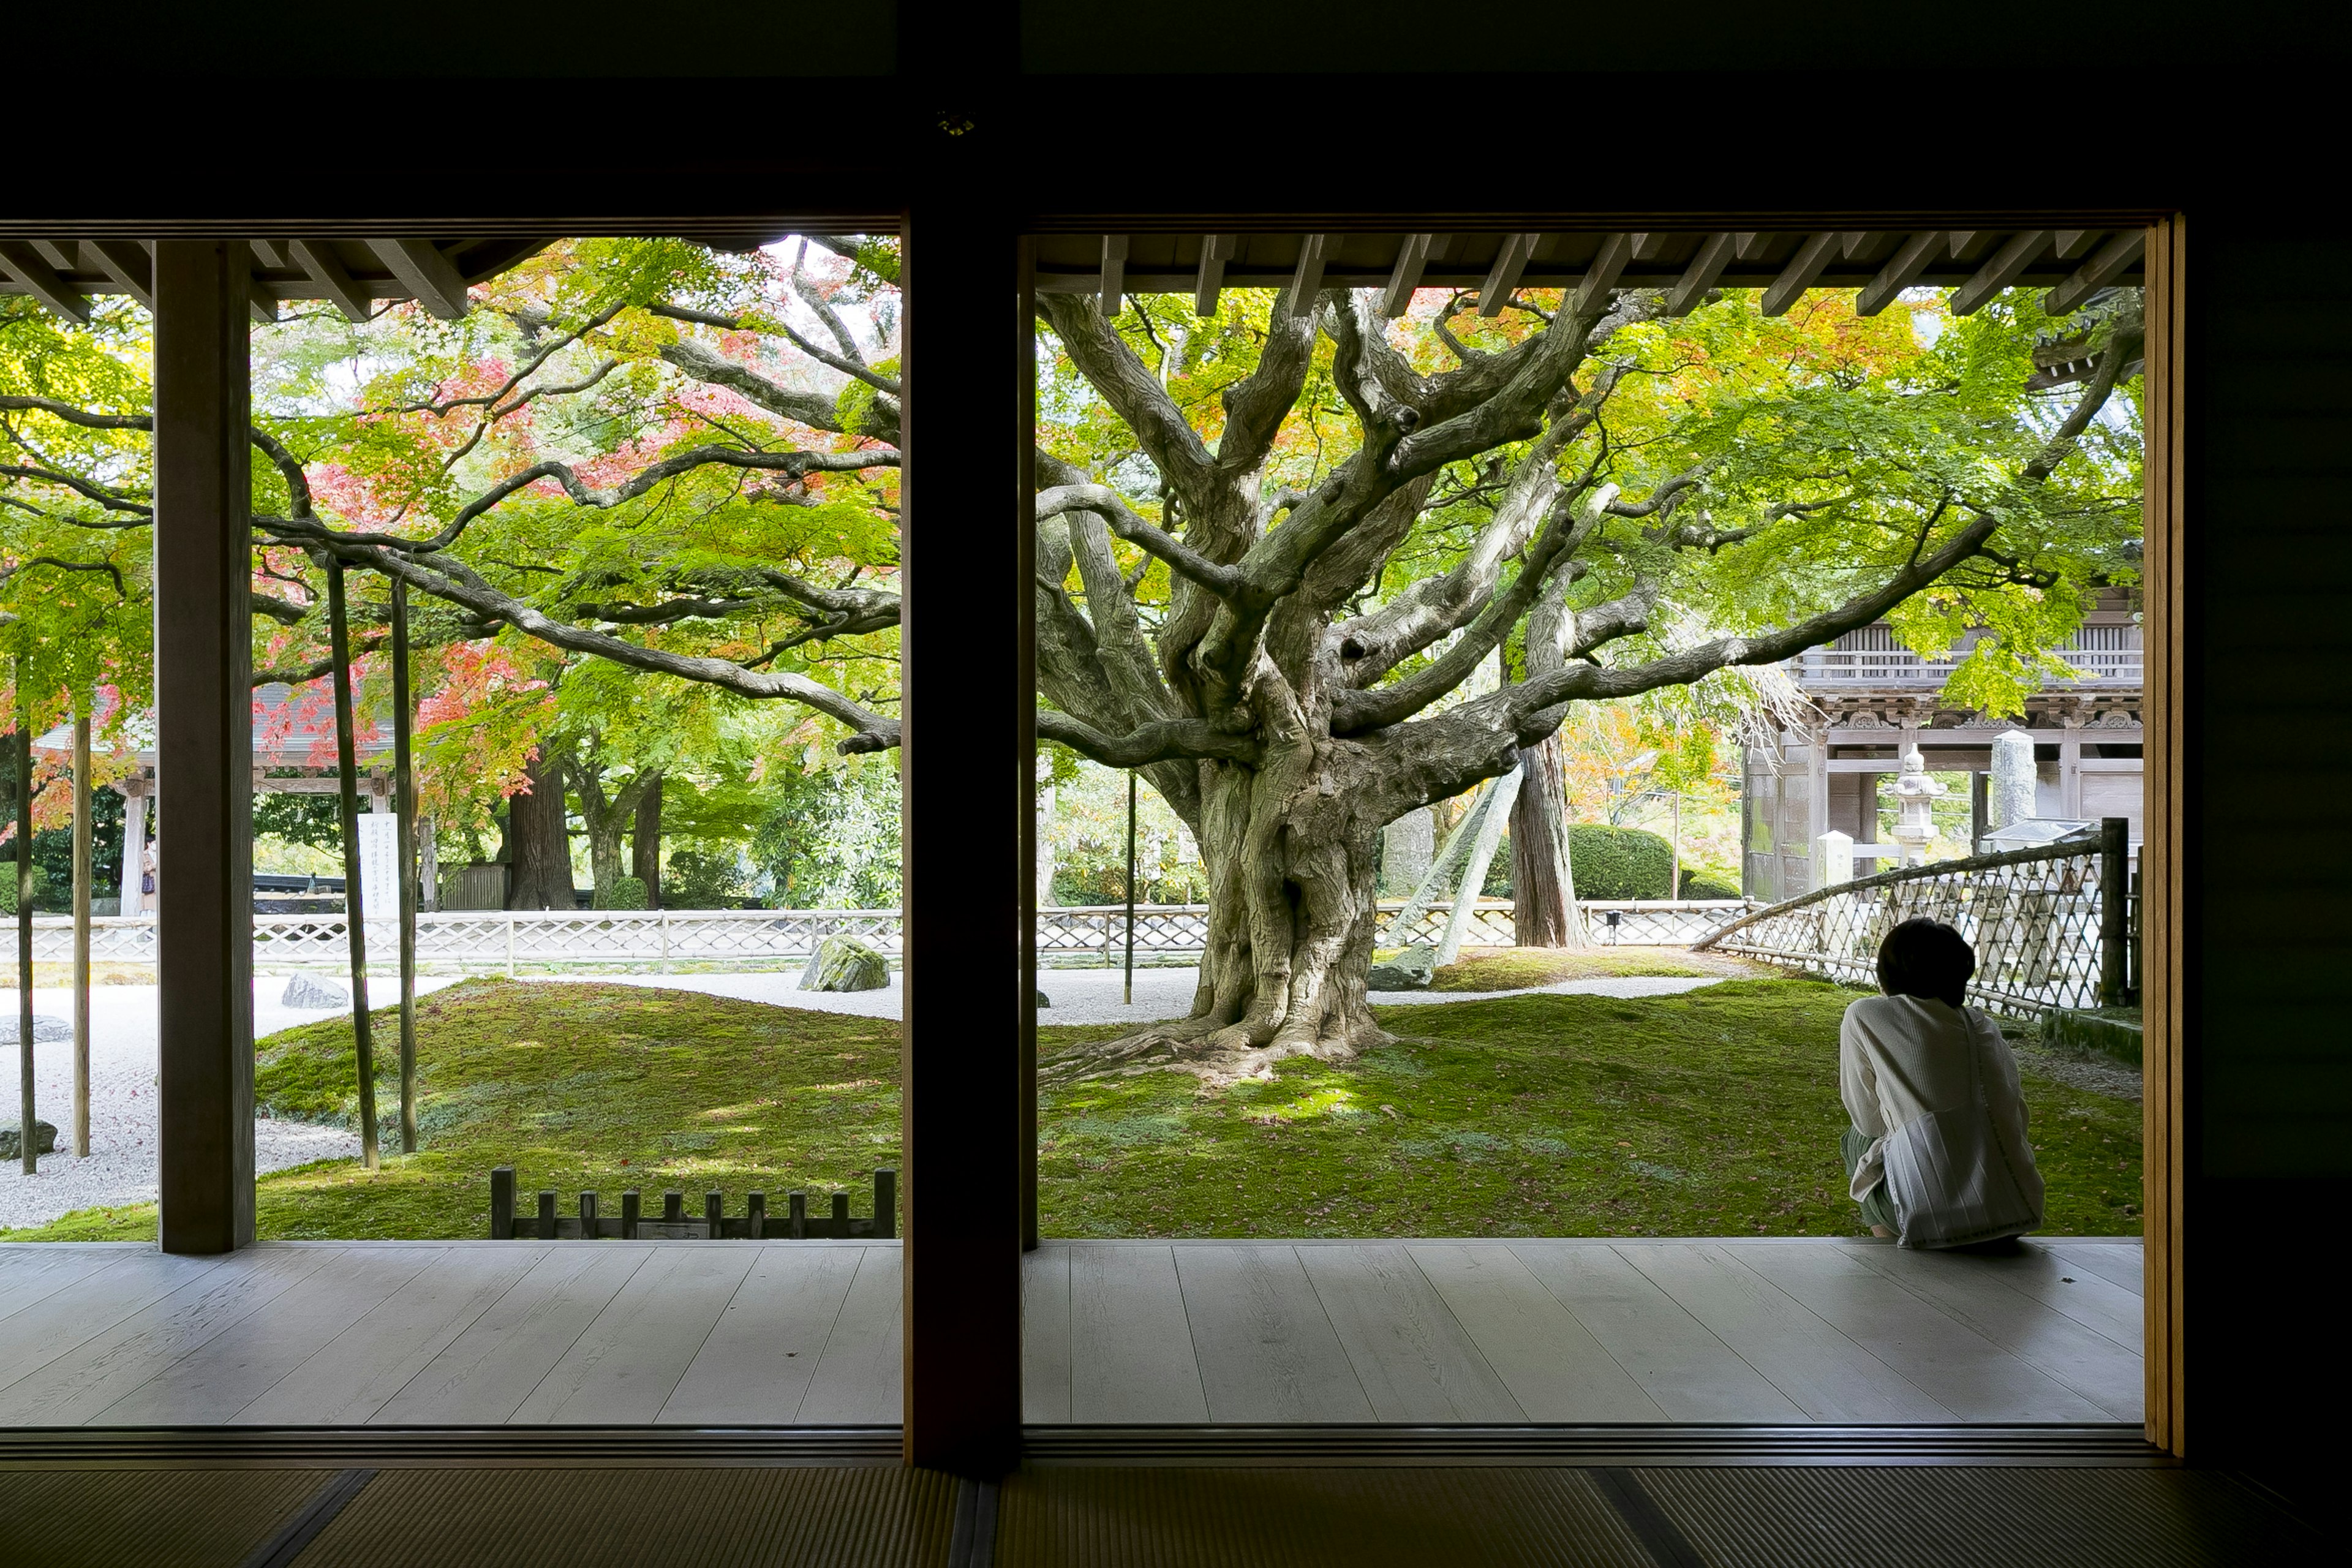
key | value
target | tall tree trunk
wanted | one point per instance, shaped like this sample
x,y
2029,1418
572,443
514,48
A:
x,y
645,841
540,877
1543,891
606,819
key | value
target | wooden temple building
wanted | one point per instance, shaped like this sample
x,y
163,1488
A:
x,y
1872,700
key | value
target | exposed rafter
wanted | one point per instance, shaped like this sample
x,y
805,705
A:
x,y
32,272
1797,275
1308,281
1215,251
1606,268
2111,261
1413,259
132,270
1999,272
1901,269
1687,291
1114,276
427,274
326,269
1502,277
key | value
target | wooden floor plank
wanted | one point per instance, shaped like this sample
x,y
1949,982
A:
x,y
1268,1351
2126,1267
1951,1363
1677,1360
2092,1364
1045,1335
2099,1304
624,1366
211,1384
1412,1356
48,1328
1549,1362
76,1386
346,1380
33,1272
487,1371
754,1367
856,1383
1131,1355
1826,1374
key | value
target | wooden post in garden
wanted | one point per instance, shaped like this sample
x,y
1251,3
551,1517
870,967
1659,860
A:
x,y
81,931
403,803
26,1142
2115,909
1130,996
354,910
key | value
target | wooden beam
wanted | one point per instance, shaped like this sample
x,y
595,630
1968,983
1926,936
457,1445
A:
x,y
270,252
1308,281
1752,245
1901,269
1216,249
2074,244
1413,259
203,741
1799,275
57,253
1608,263
259,302
1852,243
1503,276
1651,248
425,272
132,270
2112,260
1114,277
23,266
1714,254
326,274
2000,270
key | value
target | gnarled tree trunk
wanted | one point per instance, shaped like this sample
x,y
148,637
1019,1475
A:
x,y
645,840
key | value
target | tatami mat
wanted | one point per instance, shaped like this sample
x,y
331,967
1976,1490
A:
x,y
153,1519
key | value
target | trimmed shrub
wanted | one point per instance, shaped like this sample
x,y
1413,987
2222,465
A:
x,y
1619,862
627,893
1703,885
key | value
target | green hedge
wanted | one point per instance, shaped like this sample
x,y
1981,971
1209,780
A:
x,y
1619,862
1700,885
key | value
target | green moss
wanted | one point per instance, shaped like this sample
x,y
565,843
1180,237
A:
x,y
1710,1113
1514,968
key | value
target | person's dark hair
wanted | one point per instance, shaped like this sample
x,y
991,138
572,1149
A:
x,y
1926,958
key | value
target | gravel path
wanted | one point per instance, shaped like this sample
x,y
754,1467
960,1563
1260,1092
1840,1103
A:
x,y
120,1167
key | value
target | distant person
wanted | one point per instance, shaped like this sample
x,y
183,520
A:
x,y
1938,1153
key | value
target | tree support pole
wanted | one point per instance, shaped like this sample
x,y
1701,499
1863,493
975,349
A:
x,y
26,1144
203,700
1499,795
81,929
1130,887
355,903
404,801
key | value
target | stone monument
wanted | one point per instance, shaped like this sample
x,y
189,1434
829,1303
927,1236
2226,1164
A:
x,y
1917,795
1408,845
2010,797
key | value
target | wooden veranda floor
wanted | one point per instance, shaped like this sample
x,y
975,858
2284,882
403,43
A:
x,y
1771,1331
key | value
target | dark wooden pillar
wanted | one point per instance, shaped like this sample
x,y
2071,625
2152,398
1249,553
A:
x,y
204,744
967,795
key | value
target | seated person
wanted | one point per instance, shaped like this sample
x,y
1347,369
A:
x,y
1938,1153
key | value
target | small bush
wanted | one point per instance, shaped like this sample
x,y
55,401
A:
x,y
626,893
9,883
696,880
1619,862
1705,885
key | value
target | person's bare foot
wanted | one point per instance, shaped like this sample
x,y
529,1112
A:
x,y
1881,1232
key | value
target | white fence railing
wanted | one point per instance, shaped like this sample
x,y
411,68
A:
x,y
480,941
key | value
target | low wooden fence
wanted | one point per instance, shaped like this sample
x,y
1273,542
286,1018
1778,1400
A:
x,y
754,1224
478,942
2052,926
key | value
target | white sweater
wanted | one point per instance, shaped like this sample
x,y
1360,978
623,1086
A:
x,y
1902,1058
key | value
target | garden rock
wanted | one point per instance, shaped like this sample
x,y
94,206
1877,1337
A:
x,y
43,1029
45,1138
304,992
840,964
1043,1000
1407,969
